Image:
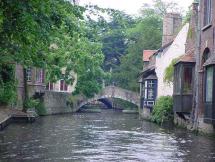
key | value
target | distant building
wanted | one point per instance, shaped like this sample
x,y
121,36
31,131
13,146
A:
x,y
148,80
61,85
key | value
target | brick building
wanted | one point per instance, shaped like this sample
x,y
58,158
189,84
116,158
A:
x,y
35,83
194,85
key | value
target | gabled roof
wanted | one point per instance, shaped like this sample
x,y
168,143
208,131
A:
x,y
163,48
147,54
187,58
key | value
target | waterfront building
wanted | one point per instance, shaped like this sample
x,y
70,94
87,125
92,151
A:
x,y
61,85
151,79
35,78
194,92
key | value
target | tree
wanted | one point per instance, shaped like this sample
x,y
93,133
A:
x,y
110,27
145,35
50,34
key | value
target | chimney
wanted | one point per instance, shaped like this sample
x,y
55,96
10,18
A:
x,y
191,38
76,2
171,24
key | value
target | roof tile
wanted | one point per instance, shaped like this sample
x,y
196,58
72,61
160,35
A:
x,y
147,54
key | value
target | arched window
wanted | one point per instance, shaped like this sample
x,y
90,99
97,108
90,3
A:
x,y
206,55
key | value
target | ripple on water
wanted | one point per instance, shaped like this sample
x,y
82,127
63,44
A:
x,y
104,137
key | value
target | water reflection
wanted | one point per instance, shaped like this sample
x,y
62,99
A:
x,y
107,136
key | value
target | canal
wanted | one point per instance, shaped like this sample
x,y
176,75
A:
x,y
106,136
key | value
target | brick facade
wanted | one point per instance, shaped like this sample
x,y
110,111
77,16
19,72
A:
x,y
33,85
207,41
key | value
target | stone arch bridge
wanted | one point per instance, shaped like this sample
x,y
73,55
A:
x,y
111,92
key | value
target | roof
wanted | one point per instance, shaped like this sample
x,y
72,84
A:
x,y
163,48
147,69
210,61
187,58
147,54
151,77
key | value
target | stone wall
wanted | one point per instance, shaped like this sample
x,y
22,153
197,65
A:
x,y
57,102
145,113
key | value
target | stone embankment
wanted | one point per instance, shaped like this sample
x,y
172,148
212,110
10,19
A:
x,y
8,115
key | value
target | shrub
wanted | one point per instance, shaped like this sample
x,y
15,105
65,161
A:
x,y
31,103
7,85
163,110
40,109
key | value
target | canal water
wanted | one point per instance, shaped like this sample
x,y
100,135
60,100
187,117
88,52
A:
x,y
106,136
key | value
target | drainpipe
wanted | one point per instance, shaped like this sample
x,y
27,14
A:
x,y
197,68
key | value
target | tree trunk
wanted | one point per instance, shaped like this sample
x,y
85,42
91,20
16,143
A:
x,y
26,97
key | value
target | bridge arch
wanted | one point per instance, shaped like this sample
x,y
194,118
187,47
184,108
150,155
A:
x,y
112,92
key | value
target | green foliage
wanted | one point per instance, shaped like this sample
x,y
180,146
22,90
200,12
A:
x,y
31,103
7,85
51,34
146,35
40,109
169,72
111,32
163,110
162,7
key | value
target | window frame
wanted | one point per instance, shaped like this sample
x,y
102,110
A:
x,y
205,84
64,87
178,79
50,86
207,17
152,88
40,76
29,74
184,66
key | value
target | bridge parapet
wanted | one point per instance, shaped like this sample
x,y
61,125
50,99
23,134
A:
x,y
112,92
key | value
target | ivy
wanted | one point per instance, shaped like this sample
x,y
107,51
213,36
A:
x,y
7,85
169,72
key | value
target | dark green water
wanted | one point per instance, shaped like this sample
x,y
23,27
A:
x,y
106,136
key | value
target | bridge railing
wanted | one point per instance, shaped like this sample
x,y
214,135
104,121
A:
x,y
112,92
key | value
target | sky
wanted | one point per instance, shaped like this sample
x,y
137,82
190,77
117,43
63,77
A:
x,y
131,6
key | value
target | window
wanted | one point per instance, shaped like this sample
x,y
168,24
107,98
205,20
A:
x,y
50,86
209,84
150,94
63,86
150,90
207,12
28,74
177,79
151,84
187,88
145,89
206,55
40,76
